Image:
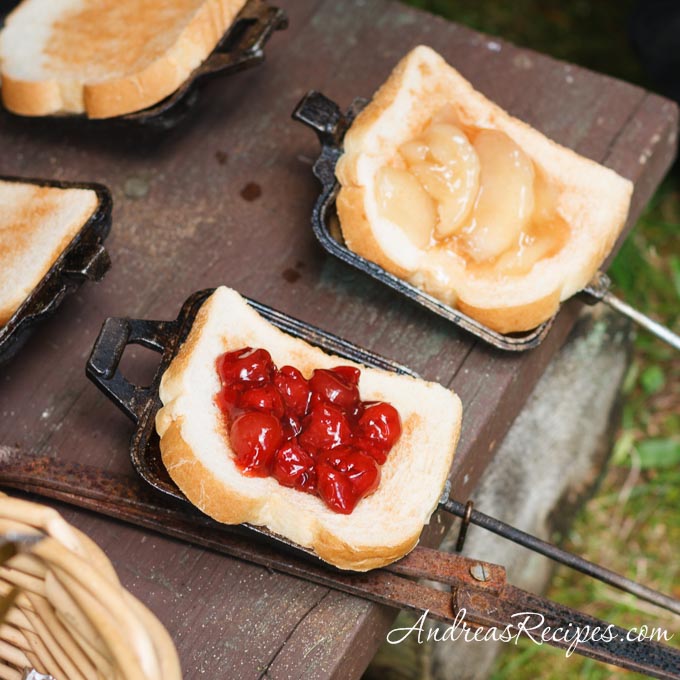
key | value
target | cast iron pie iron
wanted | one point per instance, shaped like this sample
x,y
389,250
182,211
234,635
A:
x,y
84,259
241,48
330,124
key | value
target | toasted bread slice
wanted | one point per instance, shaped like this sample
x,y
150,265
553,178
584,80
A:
x,y
196,450
36,225
588,202
105,58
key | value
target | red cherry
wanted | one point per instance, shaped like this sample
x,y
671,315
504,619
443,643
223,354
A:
x,y
325,427
355,413
291,426
294,389
370,448
381,425
335,489
227,400
265,398
246,365
255,436
333,388
348,373
294,468
362,470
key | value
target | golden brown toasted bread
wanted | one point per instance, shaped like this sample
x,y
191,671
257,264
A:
x,y
105,57
36,225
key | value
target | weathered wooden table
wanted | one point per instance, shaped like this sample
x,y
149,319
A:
x,y
184,219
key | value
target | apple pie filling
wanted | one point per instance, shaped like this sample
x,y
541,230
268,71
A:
x,y
473,194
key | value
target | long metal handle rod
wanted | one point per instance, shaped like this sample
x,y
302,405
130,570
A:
x,y
563,556
652,326
598,291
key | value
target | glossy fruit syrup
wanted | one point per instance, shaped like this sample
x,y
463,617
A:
x,y
314,435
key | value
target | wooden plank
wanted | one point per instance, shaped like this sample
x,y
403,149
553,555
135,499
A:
x,y
181,223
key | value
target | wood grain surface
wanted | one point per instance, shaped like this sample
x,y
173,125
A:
x,y
188,215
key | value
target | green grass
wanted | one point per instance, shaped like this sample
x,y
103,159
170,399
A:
x,y
632,524
587,32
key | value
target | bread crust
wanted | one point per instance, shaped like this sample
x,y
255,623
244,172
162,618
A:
x,y
132,92
591,199
337,539
511,319
30,98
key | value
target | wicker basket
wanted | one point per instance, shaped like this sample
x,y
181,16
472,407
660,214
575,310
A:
x,y
72,618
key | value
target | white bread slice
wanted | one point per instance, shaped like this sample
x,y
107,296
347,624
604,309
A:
x,y
36,225
591,199
195,447
105,57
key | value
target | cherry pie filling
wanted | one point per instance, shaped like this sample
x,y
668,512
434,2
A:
x,y
315,435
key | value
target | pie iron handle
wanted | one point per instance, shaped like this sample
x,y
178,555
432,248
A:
x,y
555,553
598,291
88,262
324,116
244,44
103,365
